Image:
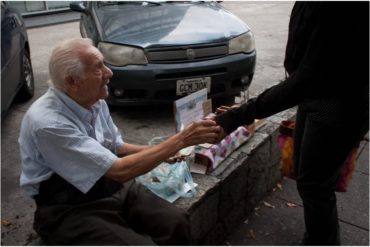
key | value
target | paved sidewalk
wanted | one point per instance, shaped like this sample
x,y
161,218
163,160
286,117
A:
x,y
276,221
51,19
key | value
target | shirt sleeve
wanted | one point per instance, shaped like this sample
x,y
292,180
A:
x,y
78,158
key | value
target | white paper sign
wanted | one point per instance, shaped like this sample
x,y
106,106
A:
x,y
189,109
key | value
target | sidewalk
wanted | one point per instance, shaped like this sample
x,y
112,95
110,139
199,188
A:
x,y
277,221
50,19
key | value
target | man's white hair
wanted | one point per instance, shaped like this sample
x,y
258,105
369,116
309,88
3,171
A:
x,y
65,61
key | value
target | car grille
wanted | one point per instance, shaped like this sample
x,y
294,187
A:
x,y
188,74
186,54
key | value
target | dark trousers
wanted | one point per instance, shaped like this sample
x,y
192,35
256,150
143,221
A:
x,y
319,153
131,216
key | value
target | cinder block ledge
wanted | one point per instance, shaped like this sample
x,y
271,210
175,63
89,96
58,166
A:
x,y
229,193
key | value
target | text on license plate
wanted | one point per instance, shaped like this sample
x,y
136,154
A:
x,y
187,86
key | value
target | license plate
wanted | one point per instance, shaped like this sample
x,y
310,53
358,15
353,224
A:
x,y
187,86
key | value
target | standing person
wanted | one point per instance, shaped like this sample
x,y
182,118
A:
x,y
327,62
80,172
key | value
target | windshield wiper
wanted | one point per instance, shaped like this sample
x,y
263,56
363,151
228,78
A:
x,y
152,2
128,2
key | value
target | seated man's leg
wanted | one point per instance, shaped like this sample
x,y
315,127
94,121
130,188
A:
x,y
165,223
93,223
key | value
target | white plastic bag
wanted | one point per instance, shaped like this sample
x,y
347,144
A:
x,y
169,181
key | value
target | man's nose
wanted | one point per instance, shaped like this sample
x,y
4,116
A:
x,y
108,71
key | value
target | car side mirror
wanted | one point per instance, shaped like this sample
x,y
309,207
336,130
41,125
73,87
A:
x,y
79,7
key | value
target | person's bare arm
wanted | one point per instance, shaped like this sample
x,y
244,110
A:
x,y
128,148
136,164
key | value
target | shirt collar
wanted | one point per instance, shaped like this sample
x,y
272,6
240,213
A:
x,y
82,113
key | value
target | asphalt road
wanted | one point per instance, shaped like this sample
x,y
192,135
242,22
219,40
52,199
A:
x,y
268,22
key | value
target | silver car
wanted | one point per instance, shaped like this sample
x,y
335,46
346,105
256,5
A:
x,y
160,51
17,79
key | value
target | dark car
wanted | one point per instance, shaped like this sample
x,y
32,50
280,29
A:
x,y
161,51
16,69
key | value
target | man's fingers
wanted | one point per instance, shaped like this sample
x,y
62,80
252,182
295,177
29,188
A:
x,y
171,160
206,122
202,131
207,127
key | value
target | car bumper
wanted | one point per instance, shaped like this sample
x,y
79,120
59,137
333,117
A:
x,y
156,83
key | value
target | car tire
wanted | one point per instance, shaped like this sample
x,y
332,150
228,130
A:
x,y
28,89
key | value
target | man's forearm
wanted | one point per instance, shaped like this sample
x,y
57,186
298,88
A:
x,y
127,149
141,159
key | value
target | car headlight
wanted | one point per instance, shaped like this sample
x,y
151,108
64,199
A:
x,y
242,44
120,55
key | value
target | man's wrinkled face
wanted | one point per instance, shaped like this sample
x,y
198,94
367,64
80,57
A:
x,y
94,85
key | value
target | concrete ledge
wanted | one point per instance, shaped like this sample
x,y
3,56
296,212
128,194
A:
x,y
225,196
230,192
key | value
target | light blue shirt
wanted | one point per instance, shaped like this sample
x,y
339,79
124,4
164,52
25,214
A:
x,y
59,136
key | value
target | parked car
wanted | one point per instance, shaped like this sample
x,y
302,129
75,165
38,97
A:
x,y
16,68
160,51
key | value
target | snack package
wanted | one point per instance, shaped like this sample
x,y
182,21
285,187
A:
x,y
212,155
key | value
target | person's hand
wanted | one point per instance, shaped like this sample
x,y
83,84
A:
x,y
222,109
212,116
201,131
225,108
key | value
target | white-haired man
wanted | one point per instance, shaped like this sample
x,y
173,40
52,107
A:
x,y
78,169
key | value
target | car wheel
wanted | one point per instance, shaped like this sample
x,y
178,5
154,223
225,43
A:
x,y
28,88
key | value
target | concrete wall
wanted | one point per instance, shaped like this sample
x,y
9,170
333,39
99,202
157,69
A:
x,y
225,196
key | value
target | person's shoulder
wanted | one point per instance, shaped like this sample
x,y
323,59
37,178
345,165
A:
x,y
340,7
45,111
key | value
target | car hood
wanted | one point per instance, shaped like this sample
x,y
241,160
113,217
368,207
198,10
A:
x,y
168,24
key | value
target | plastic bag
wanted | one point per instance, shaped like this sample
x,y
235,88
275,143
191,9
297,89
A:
x,y
347,171
169,181
285,143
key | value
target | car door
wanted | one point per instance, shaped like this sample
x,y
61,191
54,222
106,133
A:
x,y
11,55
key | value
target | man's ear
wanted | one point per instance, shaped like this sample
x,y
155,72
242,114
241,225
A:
x,y
71,83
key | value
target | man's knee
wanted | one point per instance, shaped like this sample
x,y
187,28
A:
x,y
177,228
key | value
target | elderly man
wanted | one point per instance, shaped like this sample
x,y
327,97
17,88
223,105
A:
x,y
79,171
